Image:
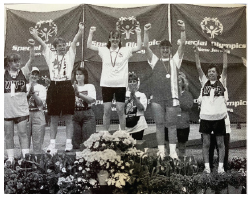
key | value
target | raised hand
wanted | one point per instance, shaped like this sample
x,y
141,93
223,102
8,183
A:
x,y
225,50
181,25
33,31
147,26
138,30
81,26
195,47
92,29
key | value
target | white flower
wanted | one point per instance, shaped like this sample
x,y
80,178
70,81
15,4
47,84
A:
x,y
80,168
96,145
76,162
60,180
57,163
92,182
64,170
107,166
118,184
122,167
127,164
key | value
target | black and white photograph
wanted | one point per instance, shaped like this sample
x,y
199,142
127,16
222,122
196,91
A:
x,y
125,98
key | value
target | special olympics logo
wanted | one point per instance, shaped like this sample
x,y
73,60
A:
x,y
46,29
127,25
211,26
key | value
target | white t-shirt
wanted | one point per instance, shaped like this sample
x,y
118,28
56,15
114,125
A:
x,y
41,92
114,66
212,108
88,90
132,110
60,66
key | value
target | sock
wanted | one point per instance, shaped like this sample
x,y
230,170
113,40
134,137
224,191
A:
x,y
25,151
10,153
52,141
207,166
172,149
220,165
68,141
161,148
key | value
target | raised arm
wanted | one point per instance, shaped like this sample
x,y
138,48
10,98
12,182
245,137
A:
x,y
77,36
198,63
27,67
181,47
139,42
148,51
34,33
89,41
224,70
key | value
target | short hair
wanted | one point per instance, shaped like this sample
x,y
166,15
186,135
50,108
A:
x,y
213,65
58,40
84,72
110,35
165,42
132,76
11,58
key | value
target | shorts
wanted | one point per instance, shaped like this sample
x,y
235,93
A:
x,y
17,119
109,92
60,98
182,134
217,126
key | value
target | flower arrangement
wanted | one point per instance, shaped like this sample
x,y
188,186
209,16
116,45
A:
x,y
112,162
114,153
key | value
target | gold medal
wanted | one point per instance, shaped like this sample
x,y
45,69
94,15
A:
x,y
168,76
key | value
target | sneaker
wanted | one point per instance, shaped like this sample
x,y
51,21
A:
x,y
51,147
68,147
207,170
221,170
161,154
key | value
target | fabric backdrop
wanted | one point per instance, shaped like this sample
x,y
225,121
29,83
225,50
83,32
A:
x,y
208,27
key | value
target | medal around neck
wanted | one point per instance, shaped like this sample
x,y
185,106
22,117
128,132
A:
x,y
168,76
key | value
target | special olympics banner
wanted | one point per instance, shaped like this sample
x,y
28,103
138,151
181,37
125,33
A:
x,y
211,28
63,23
126,19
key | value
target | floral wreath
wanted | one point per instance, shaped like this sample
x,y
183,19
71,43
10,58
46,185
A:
x,y
211,26
127,25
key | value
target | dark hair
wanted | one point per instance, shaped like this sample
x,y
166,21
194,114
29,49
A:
x,y
11,58
165,42
213,65
84,72
110,35
58,40
132,76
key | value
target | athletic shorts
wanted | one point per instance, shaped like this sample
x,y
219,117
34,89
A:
x,y
60,98
108,94
217,126
17,119
182,134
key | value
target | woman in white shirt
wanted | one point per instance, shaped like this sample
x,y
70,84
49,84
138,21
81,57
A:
x,y
114,77
84,118
135,105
